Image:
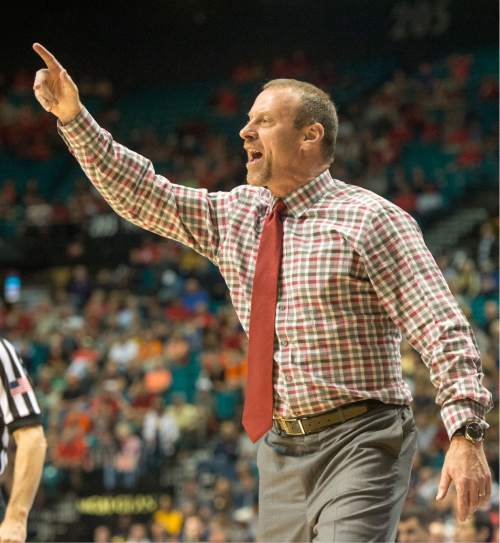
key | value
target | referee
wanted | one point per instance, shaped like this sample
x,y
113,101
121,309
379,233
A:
x,y
19,416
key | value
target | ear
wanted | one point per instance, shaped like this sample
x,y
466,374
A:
x,y
313,133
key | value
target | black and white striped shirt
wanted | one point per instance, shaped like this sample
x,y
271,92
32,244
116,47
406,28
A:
x,y
18,404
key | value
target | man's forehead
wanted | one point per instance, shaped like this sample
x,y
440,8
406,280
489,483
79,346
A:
x,y
274,100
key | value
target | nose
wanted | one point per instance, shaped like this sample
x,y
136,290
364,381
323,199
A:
x,y
247,132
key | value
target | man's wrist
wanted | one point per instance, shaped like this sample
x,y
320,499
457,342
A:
x,y
16,514
71,117
472,430
463,446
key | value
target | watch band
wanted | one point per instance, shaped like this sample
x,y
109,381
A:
x,y
472,430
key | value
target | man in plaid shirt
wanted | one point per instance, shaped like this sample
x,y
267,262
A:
x,y
355,274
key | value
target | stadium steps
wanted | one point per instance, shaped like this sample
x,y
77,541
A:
x,y
449,231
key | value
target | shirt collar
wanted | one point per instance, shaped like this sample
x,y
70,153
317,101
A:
x,y
301,199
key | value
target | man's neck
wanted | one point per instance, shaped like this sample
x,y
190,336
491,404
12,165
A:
x,y
282,188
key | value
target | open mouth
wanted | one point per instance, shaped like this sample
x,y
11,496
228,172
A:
x,y
254,156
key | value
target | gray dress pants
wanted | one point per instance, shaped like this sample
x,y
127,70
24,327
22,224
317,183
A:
x,y
344,484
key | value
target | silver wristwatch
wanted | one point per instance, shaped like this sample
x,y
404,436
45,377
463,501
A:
x,y
472,430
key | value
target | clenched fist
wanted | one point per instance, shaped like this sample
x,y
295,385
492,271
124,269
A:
x,y
54,88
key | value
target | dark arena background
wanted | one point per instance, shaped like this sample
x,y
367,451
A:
x,y
137,357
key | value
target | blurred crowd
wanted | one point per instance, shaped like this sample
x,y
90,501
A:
x,y
140,368
26,131
413,137
144,390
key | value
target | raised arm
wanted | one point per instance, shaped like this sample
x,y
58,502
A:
x,y
127,180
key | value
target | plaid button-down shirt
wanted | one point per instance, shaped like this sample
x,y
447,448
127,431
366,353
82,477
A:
x,y
355,274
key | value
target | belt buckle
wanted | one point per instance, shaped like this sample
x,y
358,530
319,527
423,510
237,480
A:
x,y
303,432
284,422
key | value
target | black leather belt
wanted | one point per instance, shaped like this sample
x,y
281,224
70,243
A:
x,y
309,424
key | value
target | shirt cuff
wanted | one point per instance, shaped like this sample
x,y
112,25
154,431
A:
x,y
455,415
30,420
80,131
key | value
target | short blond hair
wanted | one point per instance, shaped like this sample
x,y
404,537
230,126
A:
x,y
315,106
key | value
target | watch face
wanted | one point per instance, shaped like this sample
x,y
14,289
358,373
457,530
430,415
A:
x,y
475,431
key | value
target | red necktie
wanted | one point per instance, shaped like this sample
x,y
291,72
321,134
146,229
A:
x,y
258,408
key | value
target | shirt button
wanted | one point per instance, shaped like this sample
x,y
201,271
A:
x,y
282,307
288,378
284,343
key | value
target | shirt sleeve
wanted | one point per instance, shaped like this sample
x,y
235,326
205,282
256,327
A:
x,y
18,404
129,183
415,294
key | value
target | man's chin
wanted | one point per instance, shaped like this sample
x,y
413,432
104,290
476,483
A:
x,y
255,181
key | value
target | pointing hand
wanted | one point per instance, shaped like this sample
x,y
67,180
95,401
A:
x,y
54,88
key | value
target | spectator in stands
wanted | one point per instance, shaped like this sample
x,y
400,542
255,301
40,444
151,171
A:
x,y
71,454
226,448
437,532
193,295
124,468
168,517
245,489
226,102
193,529
157,533
478,528
429,201
138,534
160,433
247,71
102,534
188,418
124,350
217,532
487,248
413,526
79,286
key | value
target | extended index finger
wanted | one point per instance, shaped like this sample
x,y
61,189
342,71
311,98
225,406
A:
x,y
462,501
49,59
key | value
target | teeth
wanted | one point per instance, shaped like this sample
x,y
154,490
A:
x,y
253,155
